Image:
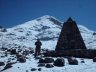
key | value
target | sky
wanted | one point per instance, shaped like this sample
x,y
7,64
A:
x,y
15,12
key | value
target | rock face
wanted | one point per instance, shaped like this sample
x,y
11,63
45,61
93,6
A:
x,y
70,37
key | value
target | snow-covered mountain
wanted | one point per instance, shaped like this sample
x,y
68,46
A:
x,y
47,28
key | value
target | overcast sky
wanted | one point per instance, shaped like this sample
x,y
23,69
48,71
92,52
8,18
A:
x,y
14,12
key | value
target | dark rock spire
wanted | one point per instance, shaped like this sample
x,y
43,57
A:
x,y
70,37
69,19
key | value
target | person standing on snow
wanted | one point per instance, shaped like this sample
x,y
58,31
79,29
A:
x,y
38,47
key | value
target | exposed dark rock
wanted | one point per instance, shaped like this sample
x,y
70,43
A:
x,y
38,57
33,69
94,33
2,63
45,27
3,29
39,69
27,71
49,66
8,65
31,52
46,60
8,50
41,64
48,53
55,21
49,60
3,48
19,50
21,58
94,59
26,52
9,60
2,56
41,61
72,61
18,56
13,51
59,62
13,58
82,61
70,39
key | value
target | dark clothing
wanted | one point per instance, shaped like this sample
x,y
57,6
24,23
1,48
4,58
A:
x,y
38,48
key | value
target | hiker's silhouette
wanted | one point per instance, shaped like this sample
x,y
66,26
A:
x,y
38,47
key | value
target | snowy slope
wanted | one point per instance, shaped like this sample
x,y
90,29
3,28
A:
x,y
47,28
88,36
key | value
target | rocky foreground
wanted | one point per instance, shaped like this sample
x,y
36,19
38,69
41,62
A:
x,y
18,60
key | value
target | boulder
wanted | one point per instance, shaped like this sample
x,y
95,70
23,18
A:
x,y
18,56
94,59
33,69
2,63
41,65
21,59
72,61
41,61
39,69
49,60
49,66
13,51
46,60
59,62
82,61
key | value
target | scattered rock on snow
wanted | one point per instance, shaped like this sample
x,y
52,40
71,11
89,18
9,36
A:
x,y
22,60
39,69
41,65
8,65
13,51
2,63
49,60
41,61
59,62
33,69
94,59
82,61
72,61
46,60
49,66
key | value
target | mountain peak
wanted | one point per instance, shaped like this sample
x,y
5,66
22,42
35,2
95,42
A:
x,y
46,17
69,19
